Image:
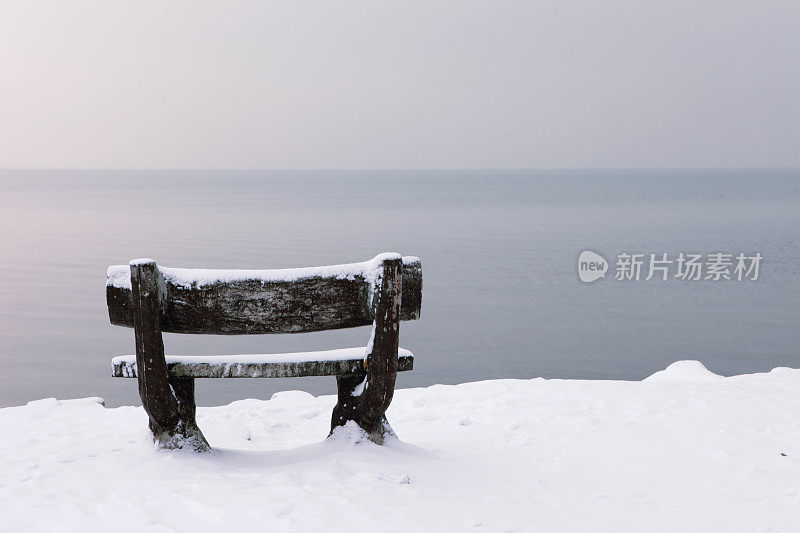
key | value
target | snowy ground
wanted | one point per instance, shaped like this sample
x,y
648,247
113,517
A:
x,y
682,451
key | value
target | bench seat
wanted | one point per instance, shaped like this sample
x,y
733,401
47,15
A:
x,y
345,361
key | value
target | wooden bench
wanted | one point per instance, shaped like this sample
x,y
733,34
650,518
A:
x,y
153,299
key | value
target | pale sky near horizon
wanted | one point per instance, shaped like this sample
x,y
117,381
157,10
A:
x,y
386,84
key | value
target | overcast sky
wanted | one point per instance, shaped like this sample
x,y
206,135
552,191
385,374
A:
x,y
383,84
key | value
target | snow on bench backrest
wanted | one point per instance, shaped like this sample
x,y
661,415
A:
x,y
233,302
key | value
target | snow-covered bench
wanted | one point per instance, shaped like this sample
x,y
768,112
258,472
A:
x,y
153,299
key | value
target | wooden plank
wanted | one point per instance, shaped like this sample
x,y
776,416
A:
x,y
319,301
125,367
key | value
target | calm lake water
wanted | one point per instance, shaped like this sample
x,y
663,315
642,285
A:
x,y
499,249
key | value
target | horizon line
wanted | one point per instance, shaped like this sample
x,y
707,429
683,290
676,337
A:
x,y
388,169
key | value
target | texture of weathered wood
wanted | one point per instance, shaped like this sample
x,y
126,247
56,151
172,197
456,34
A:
x,y
411,290
154,389
162,406
124,369
347,403
256,307
368,409
382,360
243,305
187,429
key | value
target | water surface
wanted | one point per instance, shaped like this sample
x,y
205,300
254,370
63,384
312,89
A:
x,y
499,248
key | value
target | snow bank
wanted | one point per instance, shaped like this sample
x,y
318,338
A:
x,y
684,371
504,455
120,275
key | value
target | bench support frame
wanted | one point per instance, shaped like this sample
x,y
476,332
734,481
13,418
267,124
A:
x,y
364,400
169,403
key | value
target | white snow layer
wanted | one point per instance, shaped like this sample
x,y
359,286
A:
x,y
684,371
340,354
120,275
504,455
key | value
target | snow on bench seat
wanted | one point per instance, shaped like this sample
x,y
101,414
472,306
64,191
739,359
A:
x,y
339,362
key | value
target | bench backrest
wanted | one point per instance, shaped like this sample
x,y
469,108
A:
x,y
234,302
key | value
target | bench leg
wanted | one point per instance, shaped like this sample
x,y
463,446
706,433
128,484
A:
x,y
186,427
169,403
347,404
368,409
351,407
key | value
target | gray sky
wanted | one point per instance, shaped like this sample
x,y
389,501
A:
x,y
384,84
